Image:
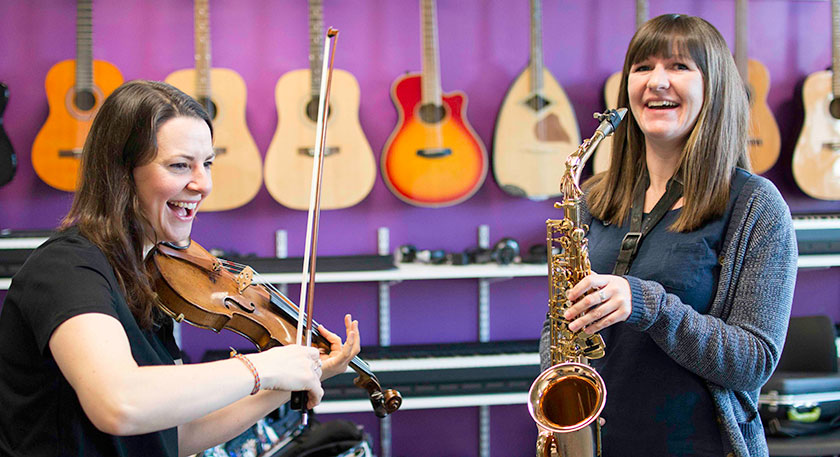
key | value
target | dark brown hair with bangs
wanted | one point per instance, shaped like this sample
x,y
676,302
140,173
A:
x,y
716,145
106,208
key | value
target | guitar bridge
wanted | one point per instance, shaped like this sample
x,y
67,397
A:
x,y
434,152
311,151
75,153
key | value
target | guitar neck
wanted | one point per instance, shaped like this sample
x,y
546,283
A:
x,y
431,91
202,49
316,45
835,48
642,12
741,11
536,59
84,40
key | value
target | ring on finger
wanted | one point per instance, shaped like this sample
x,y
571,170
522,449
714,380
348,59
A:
x,y
602,296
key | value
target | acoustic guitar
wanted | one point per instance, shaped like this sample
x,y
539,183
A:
x,y
816,158
237,169
433,158
349,169
8,161
764,137
536,128
601,158
75,91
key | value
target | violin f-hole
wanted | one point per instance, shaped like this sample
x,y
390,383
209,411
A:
x,y
231,302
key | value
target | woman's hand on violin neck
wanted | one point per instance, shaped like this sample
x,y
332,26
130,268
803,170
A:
x,y
291,368
340,354
598,301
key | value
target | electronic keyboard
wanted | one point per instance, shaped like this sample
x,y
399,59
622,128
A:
x,y
817,233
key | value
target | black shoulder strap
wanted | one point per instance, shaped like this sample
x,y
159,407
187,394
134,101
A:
x,y
633,238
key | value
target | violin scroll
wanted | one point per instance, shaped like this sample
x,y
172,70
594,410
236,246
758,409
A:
x,y
383,402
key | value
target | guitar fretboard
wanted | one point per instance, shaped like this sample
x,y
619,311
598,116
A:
x,y
431,73
536,60
741,10
835,48
316,45
84,39
642,13
202,49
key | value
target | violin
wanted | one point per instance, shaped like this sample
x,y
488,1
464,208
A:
x,y
196,287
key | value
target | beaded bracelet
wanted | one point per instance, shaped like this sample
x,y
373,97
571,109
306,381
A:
x,y
250,366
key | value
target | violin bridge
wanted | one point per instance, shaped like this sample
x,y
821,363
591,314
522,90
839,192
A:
x,y
245,278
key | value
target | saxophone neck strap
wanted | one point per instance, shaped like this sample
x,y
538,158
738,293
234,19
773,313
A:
x,y
638,230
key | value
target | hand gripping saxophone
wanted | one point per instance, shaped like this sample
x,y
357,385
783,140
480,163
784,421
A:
x,y
566,399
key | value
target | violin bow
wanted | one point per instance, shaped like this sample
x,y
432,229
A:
x,y
306,302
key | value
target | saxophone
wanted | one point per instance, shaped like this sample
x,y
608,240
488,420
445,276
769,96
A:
x,y
566,399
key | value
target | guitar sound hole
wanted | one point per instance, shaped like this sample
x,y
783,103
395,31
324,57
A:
x,y
85,100
537,102
834,108
312,110
209,106
431,113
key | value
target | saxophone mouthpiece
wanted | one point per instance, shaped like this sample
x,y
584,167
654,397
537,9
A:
x,y
610,120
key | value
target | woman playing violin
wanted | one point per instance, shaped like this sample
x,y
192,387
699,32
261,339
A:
x,y
88,364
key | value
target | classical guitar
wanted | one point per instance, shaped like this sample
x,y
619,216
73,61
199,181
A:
x,y
8,161
237,170
75,91
433,157
349,166
764,139
601,159
816,158
536,128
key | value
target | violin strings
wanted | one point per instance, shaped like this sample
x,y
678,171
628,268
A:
x,y
236,268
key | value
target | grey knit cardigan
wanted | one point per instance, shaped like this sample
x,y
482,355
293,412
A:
x,y
736,346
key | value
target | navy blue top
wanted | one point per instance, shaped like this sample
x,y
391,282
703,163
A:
x,y
655,406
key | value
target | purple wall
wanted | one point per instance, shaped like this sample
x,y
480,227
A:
x,y
484,45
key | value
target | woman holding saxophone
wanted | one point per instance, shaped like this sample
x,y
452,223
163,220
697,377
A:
x,y
701,252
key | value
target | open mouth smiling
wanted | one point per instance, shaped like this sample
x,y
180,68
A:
x,y
183,209
661,104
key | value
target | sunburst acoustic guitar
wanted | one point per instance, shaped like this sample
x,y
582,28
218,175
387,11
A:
x,y
237,169
349,169
816,158
75,91
8,160
433,158
764,137
601,158
536,128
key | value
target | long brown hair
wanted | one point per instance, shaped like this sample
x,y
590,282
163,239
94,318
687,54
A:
x,y
106,208
716,145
